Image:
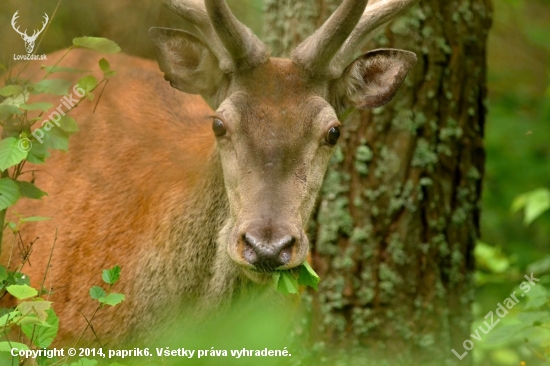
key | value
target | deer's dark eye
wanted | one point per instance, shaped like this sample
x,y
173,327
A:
x,y
218,127
333,135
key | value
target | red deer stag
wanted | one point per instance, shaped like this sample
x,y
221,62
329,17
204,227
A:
x,y
195,200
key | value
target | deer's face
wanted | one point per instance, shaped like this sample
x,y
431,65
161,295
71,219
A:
x,y
275,133
275,119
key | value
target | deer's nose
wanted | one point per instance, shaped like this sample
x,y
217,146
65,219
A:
x,y
267,253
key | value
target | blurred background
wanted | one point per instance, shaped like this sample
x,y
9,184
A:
x,y
517,133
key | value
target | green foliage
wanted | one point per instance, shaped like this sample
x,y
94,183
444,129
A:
x,y
10,153
288,281
29,190
9,193
34,317
111,276
52,86
11,90
490,258
97,292
22,292
97,43
111,299
534,204
88,83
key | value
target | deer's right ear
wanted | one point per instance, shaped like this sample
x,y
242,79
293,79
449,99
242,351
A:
x,y
187,63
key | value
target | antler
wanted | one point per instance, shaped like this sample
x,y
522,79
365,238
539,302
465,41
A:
x,y
13,19
328,54
316,52
37,32
232,43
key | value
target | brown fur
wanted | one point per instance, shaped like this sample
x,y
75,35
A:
x,y
126,193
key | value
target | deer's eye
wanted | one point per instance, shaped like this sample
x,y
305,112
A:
x,y
218,127
333,135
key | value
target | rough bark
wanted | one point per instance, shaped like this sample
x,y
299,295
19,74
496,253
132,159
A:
x,y
398,215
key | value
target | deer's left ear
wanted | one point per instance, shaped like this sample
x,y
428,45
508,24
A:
x,y
373,78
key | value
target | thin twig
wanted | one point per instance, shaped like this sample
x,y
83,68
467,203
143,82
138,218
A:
x,y
49,260
89,322
91,327
100,94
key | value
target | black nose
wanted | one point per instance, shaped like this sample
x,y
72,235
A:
x,y
267,255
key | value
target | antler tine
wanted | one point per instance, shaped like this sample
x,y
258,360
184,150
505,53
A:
x,y
13,19
234,46
195,13
245,48
316,52
46,19
375,15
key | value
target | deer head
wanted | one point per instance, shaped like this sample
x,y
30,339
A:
x,y
276,121
29,40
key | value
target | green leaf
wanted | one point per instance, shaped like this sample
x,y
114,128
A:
x,y
112,299
97,292
536,297
38,106
52,69
53,86
56,139
35,218
5,346
29,190
68,124
9,193
43,334
29,319
106,68
17,100
534,317
3,273
38,153
505,333
10,90
287,283
10,153
18,278
111,276
490,258
534,203
540,266
22,292
307,276
7,110
88,83
97,43
9,318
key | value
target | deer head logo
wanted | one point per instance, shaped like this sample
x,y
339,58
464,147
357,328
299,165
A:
x,y
29,40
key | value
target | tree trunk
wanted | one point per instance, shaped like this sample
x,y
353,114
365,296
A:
x,y
398,215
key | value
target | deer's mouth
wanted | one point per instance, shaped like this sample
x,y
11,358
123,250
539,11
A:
x,y
259,277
